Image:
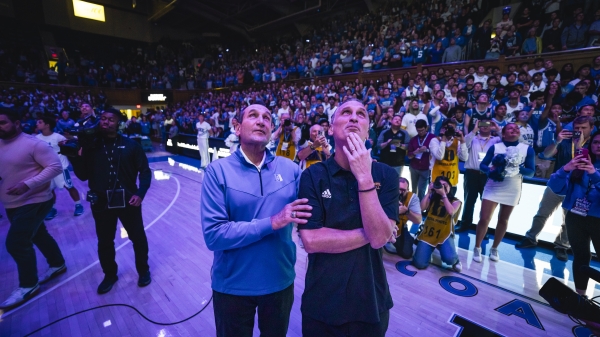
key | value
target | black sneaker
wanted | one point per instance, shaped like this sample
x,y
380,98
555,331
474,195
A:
x,y
107,284
561,254
144,280
526,243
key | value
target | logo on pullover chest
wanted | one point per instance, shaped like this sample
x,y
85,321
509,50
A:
x,y
326,194
278,177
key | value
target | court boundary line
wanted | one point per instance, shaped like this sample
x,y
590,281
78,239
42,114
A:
x,y
35,298
491,284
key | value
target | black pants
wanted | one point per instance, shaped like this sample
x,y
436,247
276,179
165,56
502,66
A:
x,y
106,228
473,185
404,243
581,230
312,327
27,228
234,315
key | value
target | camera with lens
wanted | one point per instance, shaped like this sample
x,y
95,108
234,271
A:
x,y
85,130
437,184
450,132
287,122
91,197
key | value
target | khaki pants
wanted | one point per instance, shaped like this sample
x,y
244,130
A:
x,y
543,167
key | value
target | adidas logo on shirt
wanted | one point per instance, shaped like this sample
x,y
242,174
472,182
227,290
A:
x,y
326,194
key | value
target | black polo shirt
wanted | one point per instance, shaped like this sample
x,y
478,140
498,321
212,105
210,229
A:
x,y
386,155
350,286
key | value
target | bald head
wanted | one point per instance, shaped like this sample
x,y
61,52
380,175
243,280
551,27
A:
x,y
314,131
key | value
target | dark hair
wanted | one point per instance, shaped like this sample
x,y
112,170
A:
x,y
551,72
450,195
49,120
119,114
448,121
535,95
589,147
12,115
567,74
420,124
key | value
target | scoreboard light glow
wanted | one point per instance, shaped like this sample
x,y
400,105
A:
x,y
88,10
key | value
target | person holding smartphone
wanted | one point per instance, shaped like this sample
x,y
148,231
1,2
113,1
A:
x,y
563,150
316,149
478,142
579,182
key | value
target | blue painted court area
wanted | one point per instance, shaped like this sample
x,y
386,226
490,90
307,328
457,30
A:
x,y
466,240
520,257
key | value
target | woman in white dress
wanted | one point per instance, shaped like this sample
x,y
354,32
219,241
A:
x,y
505,178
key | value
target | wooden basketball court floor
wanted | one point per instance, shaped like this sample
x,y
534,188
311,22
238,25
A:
x,y
494,298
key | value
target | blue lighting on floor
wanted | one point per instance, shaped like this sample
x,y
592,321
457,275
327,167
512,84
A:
x,y
466,240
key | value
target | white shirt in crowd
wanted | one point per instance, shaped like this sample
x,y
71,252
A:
x,y
526,136
409,120
510,116
482,79
369,61
53,141
203,129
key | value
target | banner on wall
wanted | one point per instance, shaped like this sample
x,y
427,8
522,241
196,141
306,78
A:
x,y
157,97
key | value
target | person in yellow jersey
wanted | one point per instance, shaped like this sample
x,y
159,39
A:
x,y
316,149
446,150
286,138
409,208
438,229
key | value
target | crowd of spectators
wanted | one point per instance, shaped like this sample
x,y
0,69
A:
x,y
397,35
462,94
555,112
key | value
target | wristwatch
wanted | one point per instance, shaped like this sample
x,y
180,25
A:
x,y
312,147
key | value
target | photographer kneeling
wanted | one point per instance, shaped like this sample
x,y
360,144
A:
x,y
111,163
579,181
443,209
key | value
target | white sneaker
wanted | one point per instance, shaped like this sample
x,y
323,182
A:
x,y
19,296
494,256
477,254
457,267
52,272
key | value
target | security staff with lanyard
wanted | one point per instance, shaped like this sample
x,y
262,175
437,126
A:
x,y
478,141
112,166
